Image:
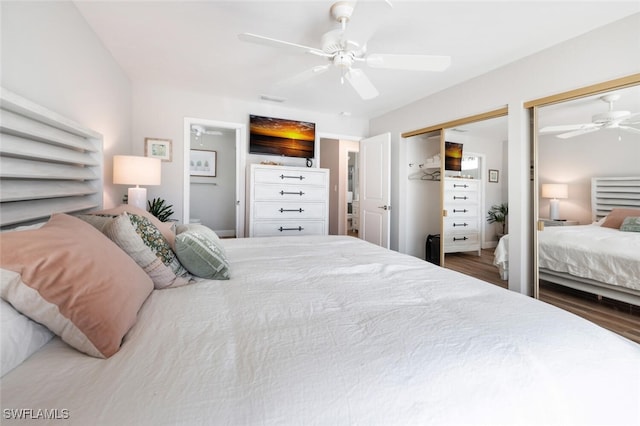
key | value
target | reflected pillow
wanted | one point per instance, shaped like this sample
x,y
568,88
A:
x,y
631,224
616,217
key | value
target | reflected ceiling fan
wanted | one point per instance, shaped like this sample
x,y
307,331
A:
x,y
199,130
607,120
345,54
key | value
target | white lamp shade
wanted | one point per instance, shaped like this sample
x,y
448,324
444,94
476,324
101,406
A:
x,y
133,170
555,190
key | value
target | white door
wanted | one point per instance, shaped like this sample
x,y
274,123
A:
x,y
375,175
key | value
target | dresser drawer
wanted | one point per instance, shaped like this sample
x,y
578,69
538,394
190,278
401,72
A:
x,y
461,211
289,210
461,241
297,177
461,197
297,192
288,228
454,185
453,225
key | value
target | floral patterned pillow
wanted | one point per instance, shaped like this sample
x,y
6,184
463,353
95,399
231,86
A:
x,y
154,239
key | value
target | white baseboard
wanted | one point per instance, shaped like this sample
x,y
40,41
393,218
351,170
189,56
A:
x,y
489,244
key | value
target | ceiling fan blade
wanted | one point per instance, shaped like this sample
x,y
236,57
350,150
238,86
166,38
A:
x,y
361,83
577,133
567,128
304,75
272,42
409,62
631,119
630,129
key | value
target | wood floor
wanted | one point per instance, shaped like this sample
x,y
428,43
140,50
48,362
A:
x,y
619,317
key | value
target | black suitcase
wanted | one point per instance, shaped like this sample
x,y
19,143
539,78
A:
x,y
433,249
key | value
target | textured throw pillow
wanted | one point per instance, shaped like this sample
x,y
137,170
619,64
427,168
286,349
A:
x,y
141,240
631,224
199,250
71,278
167,228
615,218
20,336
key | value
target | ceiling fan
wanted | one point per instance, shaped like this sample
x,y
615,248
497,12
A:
x,y
607,120
344,54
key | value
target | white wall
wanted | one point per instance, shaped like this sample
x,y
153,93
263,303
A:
x,y
607,53
574,161
52,57
159,111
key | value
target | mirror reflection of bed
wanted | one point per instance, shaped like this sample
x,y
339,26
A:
x,y
586,173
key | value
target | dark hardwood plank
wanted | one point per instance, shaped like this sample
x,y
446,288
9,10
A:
x,y
619,317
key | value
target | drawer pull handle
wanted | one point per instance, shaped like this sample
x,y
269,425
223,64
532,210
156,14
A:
x,y
283,177
460,224
459,239
299,228
292,193
291,210
459,198
460,211
455,185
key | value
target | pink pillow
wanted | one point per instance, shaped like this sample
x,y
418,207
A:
x,y
616,217
71,278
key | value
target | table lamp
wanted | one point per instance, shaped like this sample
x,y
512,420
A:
x,y
133,170
555,191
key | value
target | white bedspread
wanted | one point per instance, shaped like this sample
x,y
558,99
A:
x,y
335,331
587,251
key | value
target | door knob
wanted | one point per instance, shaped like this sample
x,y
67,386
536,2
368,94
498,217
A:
x,y
385,207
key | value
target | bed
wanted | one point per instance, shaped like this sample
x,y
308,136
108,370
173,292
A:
x,y
598,258
318,330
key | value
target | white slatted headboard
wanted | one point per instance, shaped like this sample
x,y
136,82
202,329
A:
x,y
614,192
48,163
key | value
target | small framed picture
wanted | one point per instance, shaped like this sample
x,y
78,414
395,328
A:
x,y
158,148
493,175
202,163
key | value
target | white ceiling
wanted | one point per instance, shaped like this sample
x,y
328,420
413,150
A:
x,y
194,46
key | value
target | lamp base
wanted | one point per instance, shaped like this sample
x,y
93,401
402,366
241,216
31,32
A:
x,y
554,209
138,197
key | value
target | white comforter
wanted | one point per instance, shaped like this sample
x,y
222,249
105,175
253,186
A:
x,y
587,251
335,331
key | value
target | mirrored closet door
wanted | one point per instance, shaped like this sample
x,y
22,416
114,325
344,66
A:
x,y
586,159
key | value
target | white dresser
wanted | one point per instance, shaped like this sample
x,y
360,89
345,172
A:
x,y
288,201
462,223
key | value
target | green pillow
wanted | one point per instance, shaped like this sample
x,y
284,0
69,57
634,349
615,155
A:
x,y
199,250
631,224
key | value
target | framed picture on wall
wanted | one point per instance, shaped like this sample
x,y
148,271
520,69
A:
x,y
493,176
158,148
202,163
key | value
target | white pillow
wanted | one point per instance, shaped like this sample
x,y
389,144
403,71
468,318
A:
x,y
20,336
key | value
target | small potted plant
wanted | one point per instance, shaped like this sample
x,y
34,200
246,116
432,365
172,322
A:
x,y
159,208
498,214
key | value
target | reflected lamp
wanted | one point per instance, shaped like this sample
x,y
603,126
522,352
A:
x,y
134,170
555,192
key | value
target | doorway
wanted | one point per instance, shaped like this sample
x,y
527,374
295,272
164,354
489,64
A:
x,y
336,154
214,176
